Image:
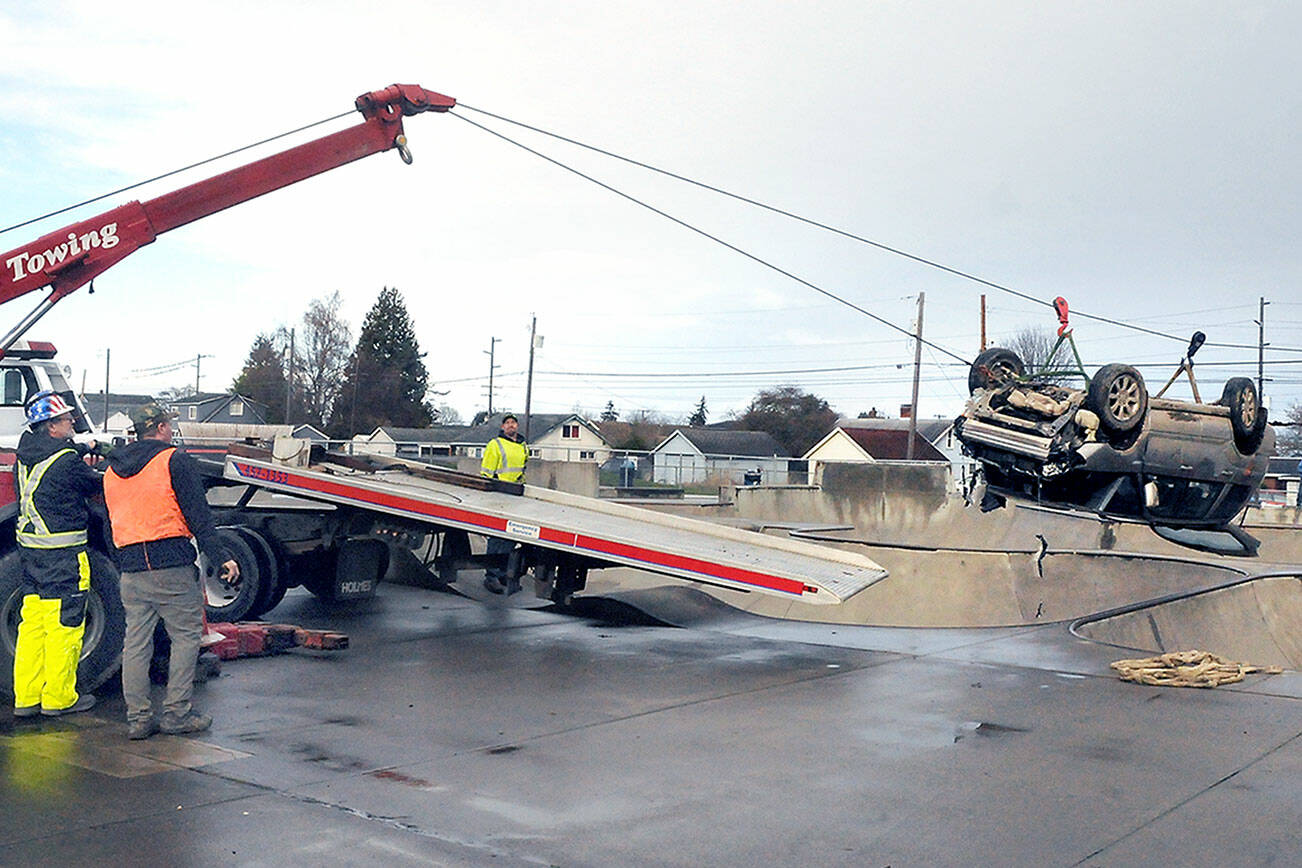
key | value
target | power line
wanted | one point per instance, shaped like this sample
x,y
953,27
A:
x,y
713,238
130,187
846,234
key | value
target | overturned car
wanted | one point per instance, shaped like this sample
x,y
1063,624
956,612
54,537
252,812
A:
x,y
1111,449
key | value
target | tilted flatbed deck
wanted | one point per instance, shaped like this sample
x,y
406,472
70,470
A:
x,y
605,534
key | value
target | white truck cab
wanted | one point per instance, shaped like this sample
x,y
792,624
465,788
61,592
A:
x,y
27,368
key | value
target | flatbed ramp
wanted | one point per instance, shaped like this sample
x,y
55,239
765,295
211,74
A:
x,y
607,533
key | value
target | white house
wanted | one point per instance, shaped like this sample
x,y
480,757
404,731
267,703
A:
x,y
567,438
695,455
938,432
555,437
868,445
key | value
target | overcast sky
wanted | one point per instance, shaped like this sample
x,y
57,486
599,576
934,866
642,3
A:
x,y
1138,158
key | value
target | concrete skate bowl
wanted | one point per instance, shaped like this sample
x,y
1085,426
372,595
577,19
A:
x,y
931,587
1256,620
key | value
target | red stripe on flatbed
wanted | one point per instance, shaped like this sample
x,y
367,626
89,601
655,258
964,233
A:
x,y
680,562
546,534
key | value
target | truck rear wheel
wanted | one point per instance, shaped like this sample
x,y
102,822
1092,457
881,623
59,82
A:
x,y
101,644
225,602
272,587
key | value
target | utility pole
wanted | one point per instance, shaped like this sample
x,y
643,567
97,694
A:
x,y
983,322
352,419
106,385
492,346
289,378
917,368
196,372
534,343
1261,348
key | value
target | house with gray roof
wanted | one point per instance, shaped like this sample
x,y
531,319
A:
x,y
699,455
222,407
555,437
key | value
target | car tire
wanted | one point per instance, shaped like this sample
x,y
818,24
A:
x,y
1118,395
101,644
994,367
1247,416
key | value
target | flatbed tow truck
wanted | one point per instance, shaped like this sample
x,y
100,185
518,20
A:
x,y
333,523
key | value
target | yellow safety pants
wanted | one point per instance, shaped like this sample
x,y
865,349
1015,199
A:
x,y
49,646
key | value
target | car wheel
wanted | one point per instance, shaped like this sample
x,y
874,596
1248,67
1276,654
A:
x,y
1247,416
994,367
1118,395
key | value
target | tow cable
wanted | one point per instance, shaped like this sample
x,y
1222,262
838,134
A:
x,y
1187,669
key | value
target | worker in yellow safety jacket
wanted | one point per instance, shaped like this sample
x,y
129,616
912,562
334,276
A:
x,y
504,458
53,484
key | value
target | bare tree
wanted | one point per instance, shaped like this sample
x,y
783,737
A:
x,y
322,351
172,394
1290,433
1033,345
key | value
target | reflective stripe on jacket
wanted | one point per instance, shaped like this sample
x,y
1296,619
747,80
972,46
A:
x,y
33,530
504,459
143,507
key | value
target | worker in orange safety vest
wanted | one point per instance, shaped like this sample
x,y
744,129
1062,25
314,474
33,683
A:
x,y
156,503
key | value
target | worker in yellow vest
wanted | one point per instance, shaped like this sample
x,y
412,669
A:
x,y
504,458
52,484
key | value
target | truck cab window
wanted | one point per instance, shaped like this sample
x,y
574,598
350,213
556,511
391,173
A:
x,y
15,387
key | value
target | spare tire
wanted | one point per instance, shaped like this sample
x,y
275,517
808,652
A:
x,y
994,367
1118,395
1247,416
101,643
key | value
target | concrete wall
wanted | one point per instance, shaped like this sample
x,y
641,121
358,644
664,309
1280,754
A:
x,y
575,477
863,495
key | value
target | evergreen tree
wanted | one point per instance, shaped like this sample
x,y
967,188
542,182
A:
x,y
263,377
385,382
796,419
609,414
697,419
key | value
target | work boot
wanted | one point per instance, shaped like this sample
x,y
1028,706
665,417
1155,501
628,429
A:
x,y
85,702
191,721
494,586
142,729
27,711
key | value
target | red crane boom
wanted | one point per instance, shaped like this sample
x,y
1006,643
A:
x,y
67,259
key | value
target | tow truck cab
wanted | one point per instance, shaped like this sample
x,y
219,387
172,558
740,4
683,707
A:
x,y
27,368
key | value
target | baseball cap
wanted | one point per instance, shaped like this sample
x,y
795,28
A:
x,y
148,416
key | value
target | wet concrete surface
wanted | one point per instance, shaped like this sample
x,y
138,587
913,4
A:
x,y
466,732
